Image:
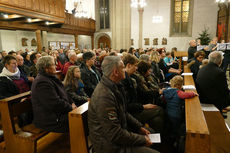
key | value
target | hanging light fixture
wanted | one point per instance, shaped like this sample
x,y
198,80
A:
x,y
78,10
157,18
138,3
222,1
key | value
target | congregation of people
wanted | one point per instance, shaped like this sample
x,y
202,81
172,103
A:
x,y
130,93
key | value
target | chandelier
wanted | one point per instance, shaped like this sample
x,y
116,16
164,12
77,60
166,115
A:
x,y
222,1
157,19
78,10
138,3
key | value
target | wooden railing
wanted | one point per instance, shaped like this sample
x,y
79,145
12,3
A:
x,y
51,10
82,24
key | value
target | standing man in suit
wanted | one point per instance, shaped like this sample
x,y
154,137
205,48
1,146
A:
x,y
212,84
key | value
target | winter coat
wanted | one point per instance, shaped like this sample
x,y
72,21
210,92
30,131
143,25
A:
x,y
50,104
109,121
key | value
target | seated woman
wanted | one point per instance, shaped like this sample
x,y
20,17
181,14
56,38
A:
x,y
11,80
195,64
49,100
169,72
74,86
155,59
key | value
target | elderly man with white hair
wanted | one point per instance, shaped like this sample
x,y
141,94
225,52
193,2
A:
x,y
72,59
192,49
212,84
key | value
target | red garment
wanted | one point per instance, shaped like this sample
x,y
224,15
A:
x,y
66,66
22,85
185,95
59,66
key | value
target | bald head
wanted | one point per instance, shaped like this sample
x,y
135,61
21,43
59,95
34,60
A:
x,y
20,60
192,43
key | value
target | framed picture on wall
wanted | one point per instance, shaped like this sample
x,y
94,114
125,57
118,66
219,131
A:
x,y
65,45
54,44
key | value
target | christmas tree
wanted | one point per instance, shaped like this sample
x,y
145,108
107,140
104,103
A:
x,y
205,37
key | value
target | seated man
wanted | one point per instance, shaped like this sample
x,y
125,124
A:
x,y
49,99
144,112
191,50
211,82
72,60
109,122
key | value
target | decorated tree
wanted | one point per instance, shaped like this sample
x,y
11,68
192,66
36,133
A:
x,y
205,37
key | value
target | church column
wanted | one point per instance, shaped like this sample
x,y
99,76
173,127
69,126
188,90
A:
x,y
140,10
44,39
92,41
39,40
121,24
76,40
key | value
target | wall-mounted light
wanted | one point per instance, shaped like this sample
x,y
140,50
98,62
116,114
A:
x,y
29,20
47,23
5,15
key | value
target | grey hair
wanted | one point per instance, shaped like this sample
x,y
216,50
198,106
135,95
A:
x,y
109,63
43,63
144,57
71,53
215,57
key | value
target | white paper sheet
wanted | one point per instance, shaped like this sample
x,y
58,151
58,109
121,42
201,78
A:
x,y
209,107
155,138
189,87
187,74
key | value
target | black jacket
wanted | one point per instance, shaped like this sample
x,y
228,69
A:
x,y
191,51
130,86
89,78
212,86
50,104
109,121
7,88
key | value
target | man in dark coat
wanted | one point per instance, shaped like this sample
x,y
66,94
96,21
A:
x,y
109,122
212,84
191,50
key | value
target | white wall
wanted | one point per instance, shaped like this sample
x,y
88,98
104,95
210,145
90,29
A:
x,y
205,14
12,40
84,42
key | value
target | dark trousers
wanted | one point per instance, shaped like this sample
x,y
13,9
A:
x,y
154,117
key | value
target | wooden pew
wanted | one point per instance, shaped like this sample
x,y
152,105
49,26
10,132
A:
x,y
78,129
197,133
180,54
206,131
28,138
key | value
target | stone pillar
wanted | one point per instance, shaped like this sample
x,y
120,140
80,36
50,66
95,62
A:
x,y
44,39
121,24
92,41
39,40
76,40
140,10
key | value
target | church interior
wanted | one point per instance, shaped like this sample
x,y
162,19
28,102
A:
x,y
162,45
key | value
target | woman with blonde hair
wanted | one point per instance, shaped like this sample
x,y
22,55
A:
x,y
155,59
74,86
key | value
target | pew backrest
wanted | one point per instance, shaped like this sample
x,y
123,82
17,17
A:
x,y
78,129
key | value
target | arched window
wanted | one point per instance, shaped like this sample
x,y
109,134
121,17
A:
x,y
181,17
104,14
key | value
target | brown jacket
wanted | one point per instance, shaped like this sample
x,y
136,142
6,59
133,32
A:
x,y
109,122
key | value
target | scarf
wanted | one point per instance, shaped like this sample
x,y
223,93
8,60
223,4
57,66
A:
x,y
10,75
